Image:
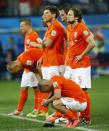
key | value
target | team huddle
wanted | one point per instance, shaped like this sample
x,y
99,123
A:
x,y
57,67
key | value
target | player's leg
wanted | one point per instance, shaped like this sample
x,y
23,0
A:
x,y
69,107
83,78
23,95
85,116
34,83
74,107
43,111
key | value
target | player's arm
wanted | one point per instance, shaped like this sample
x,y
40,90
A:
x,y
57,95
90,45
35,44
47,42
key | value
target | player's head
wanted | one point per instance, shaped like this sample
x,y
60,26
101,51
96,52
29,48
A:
x,y
25,25
14,66
45,85
63,10
74,14
50,13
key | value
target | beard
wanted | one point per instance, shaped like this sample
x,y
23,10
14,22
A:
x,y
71,22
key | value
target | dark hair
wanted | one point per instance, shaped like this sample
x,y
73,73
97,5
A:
x,y
27,21
77,13
65,8
53,10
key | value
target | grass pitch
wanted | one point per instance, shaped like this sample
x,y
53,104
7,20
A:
x,y
9,93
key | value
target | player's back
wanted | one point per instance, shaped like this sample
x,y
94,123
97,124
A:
x,y
30,56
69,88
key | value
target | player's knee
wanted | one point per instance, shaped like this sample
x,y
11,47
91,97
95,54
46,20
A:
x,y
56,104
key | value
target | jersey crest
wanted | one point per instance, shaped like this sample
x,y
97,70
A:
x,y
28,62
85,32
55,84
53,33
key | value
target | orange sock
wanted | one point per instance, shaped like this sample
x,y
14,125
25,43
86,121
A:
x,y
59,114
22,99
71,115
35,99
86,114
42,96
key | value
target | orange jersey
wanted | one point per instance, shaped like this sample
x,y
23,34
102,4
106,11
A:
x,y
29,57
77,36
32,37
54,56
68,88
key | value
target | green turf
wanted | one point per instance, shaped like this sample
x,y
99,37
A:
x,y
9,92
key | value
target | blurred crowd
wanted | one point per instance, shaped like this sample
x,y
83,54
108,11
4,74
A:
x,y
9,52
35,7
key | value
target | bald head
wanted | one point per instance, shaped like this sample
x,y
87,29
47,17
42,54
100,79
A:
x,y
14,66
45,85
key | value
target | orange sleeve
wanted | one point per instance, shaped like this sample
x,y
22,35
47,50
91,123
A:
x,y
35,37
56,80
85,32
53,34
56,85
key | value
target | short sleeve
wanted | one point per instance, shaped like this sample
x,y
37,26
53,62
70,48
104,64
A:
x,y
85,32
35,38
56,85
53,34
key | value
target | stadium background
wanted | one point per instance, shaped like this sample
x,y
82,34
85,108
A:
x,y
96,14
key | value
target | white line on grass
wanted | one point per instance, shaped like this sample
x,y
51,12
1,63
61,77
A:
x,y
37,129
34,120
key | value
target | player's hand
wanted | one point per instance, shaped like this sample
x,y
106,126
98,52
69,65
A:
x,y
77,58
45,102
39,62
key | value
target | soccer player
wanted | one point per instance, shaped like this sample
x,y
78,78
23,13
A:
x,y
68,98
28,77
54,45
80,42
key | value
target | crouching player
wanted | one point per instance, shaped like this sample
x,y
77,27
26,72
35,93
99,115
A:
x,y
68,98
